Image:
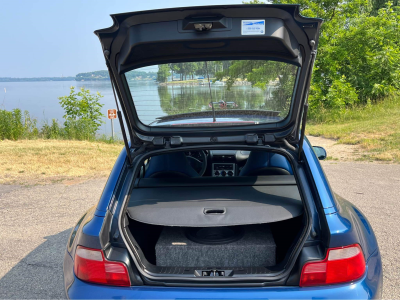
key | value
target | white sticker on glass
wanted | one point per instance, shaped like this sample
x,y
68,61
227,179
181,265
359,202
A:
x,y
253,27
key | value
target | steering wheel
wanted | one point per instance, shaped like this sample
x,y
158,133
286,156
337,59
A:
x,y
199,166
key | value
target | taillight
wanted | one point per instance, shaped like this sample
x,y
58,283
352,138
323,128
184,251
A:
x,y
90,265
340,265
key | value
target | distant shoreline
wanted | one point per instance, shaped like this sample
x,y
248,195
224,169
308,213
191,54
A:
x,y
102,75
36,79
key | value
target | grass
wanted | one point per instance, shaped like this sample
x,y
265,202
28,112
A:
x,y
375,128
45,161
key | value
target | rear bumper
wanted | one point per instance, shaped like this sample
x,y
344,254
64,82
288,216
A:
x,y
368,287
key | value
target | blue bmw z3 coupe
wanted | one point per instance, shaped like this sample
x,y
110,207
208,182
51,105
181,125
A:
x,y
217,192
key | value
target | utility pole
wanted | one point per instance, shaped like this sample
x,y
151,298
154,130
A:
x,y
112,129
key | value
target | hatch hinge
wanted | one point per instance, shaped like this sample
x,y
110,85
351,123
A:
x,y
167,142
259,139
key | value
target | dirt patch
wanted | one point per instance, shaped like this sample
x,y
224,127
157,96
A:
x,y
336,151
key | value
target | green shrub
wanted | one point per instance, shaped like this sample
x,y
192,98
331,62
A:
x,y
383,109
30,126
52,131
17,127
5,124
14,125
83,115
108,139
81,129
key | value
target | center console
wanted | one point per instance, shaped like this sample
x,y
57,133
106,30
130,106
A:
x,y
227,163
223,169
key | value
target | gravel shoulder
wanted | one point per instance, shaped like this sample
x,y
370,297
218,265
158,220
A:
x,y
37,220
35,225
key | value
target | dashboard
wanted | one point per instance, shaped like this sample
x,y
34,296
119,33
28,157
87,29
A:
x,y
220,163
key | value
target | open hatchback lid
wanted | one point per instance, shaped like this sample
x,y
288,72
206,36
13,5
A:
x,y
212,73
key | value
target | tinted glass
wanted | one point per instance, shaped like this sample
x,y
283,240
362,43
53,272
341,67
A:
x,y
213,93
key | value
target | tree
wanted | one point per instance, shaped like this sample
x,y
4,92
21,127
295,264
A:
x,y
367,53
190,68
263,74
376,5
358,54
163,73
175,68
82,113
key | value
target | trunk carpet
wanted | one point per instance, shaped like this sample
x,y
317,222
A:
x,y
255,247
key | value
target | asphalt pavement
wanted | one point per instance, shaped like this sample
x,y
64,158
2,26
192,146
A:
x,y
36,222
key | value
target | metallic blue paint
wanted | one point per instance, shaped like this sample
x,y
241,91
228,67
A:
x,y
93,227
368,287
347,225
108,192
330,210
350,226
324,190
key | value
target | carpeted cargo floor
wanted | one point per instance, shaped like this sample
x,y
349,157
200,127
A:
x,y
250,246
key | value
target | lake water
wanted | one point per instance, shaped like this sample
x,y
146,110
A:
x,y
41,98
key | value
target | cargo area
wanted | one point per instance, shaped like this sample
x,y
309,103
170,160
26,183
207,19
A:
x,y
241,249
214,226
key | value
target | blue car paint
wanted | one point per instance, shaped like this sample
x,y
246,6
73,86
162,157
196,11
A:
x,y
321,182
81,237
368,287
350,224
347,225
108,192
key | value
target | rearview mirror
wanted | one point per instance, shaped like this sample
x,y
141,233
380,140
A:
x,y
319,152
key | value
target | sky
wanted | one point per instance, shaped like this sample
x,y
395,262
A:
x,y
52,38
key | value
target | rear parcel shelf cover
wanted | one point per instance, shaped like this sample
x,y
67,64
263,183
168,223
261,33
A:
x,y
214,206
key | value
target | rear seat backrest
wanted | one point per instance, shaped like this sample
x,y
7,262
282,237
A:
x,y
171,164
266,163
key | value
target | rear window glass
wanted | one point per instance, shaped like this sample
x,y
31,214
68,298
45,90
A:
x,y
213,93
